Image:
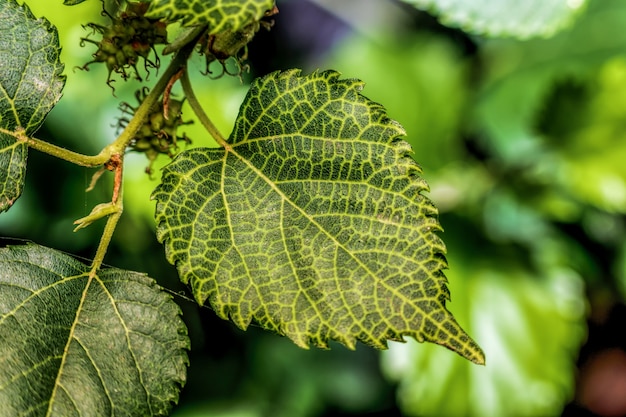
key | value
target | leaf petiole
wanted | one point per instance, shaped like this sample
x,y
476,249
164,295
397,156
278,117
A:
x,y
199,111
57,151
187,36
114,210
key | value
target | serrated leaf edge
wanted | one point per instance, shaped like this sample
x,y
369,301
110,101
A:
x,y
403,152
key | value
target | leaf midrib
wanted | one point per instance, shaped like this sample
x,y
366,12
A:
x,y
284,197
306,293
71,337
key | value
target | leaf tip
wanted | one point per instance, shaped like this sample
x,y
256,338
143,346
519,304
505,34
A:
x,y
465,346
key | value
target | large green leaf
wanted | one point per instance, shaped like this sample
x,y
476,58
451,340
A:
x,y
30,85
311,221
520,19
530,326
220,15
74,345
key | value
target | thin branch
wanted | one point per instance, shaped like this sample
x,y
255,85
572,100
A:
x,y
199,111
113,210
122,141
115,152
107,234
189,35
168,92
57,151
147,105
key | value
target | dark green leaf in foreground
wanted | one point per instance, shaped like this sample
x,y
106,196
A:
x,y
311,222
113,345
30,85
520,19
220,15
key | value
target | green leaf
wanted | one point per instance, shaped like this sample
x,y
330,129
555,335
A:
x,y
522,74
30,85
220,15
530,326
520,19
311,222
74,345
13,157
437,77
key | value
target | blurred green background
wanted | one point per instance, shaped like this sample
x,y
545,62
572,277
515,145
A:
x,y
523,145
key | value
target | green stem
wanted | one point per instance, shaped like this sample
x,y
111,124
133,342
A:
x,y
188,35
119,146
107,235
199,111
57,151
147,105
67,155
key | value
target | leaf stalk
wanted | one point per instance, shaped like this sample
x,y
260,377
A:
x,y
199,111
107,234
121,142
57,151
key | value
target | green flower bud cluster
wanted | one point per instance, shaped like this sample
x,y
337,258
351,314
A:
x,y
159,132
130,36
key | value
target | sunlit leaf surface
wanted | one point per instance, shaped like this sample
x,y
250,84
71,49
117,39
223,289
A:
x,y
311,222
530,327
72,345
30,85
520,19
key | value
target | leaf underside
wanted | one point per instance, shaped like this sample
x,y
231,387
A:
x,y
70,345
519,19
30,85
311,221
219,15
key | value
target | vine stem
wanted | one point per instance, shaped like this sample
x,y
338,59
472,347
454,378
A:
x,y
111,224
179,61
65,154
121,142
199,111
115,151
